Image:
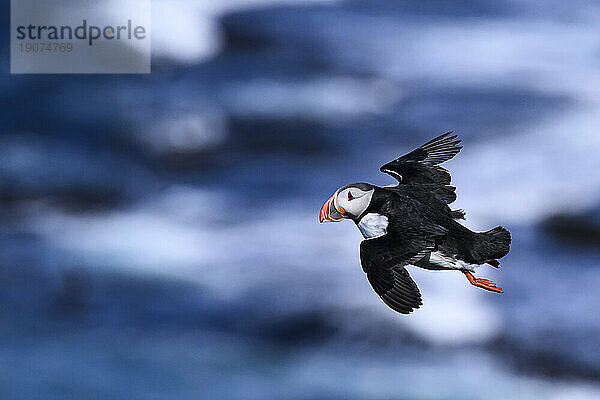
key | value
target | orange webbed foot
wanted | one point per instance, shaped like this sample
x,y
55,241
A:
x,y
482,283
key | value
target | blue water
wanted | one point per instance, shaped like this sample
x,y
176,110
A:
x,y
159,235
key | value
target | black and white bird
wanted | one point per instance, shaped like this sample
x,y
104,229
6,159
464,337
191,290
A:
x,y
411,223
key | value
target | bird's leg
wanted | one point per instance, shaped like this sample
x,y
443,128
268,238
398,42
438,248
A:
x,y
482,283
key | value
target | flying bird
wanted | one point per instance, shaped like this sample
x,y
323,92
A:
x,y
412,224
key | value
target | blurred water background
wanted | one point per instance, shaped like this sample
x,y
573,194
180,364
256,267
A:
x,y
159,234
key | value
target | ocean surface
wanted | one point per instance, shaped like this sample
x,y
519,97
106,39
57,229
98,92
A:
x,y
159,234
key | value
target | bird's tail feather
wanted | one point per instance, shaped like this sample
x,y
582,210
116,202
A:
x,y
493,244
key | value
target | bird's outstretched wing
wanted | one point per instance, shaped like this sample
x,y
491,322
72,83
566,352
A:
x,y
383,259
420,167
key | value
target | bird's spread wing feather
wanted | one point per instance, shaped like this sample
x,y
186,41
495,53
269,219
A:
x,y
383,260
420,167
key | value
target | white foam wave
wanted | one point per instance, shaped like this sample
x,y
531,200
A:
x,y
316,98
188,31
200,129
523,178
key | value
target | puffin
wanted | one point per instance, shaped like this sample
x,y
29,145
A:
x,y
412,223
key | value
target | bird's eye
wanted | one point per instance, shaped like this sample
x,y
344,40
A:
x,y
350,197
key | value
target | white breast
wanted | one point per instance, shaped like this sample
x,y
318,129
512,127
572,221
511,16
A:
x,y
373,225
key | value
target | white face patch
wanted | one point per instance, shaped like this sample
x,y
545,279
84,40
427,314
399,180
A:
x,y
353,200
373,225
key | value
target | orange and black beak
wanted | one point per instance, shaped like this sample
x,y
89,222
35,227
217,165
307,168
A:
x,y
329,213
